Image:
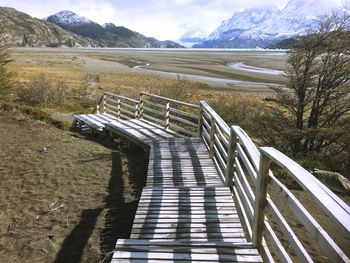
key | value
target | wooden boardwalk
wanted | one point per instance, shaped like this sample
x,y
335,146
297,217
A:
x,y
201,190
184,201
185,213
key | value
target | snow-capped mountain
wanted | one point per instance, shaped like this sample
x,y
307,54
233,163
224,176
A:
x,y
66,17
191,38
108,35
244,20
263,26
21,29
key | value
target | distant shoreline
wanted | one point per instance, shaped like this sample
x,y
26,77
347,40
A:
x,y
157,49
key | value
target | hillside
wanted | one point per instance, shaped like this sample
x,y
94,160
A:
x,y
285,43
20,29
108,35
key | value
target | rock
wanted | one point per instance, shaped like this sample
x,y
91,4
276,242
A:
x,y
334,181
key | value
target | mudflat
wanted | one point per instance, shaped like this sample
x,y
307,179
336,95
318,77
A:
x,y
212,67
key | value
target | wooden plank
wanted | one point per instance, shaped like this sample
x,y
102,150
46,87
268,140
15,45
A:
x,y
184,121
319,235
306,180
132,107
185,256
221,136
260,201
276,244
218,244
219,157
184,113
178,128
206,124
231,156
191,199
188,235
210,250
220,172
171,100
246,162
131,113
149,117
247,206
154,104
188,225
161,113
303,256
243,212
195,220
120,97
223,151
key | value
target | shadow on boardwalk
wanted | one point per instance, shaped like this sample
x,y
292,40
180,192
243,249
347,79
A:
x,y
127,177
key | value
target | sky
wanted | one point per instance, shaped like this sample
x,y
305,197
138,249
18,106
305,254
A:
x,y
162,19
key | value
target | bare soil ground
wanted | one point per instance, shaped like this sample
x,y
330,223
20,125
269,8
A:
x,y
64,197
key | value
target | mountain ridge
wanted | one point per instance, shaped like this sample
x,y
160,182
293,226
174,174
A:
x,y
70,30
20,29
109,34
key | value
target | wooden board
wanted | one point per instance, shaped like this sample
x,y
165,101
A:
x,y
163,251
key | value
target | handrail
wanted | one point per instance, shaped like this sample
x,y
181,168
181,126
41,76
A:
x,y
246,169
170,113
333,206
120,97
171,100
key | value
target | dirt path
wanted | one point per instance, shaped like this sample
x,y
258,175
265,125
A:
x,y
63,197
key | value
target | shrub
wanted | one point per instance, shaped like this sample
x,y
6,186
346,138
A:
x,y
42,91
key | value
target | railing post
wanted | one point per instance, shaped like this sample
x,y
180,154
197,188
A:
x,y
167,115
260,200
104,103
118,108
212,139
231,155
141,106
98,108
200,119
136,115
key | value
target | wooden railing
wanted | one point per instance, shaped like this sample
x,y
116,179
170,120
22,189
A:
x,y
118,106
246,169
171,114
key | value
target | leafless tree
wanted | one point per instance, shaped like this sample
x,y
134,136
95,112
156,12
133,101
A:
x,y
316,100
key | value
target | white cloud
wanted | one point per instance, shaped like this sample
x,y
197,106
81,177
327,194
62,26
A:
x,y
163,19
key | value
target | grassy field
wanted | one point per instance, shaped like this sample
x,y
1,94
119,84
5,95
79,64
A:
x,y
115,67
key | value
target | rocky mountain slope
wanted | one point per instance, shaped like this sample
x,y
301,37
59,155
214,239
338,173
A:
x,y
267,25
109,34
20,29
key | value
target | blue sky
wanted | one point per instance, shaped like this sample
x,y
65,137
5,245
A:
x,y
163,19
